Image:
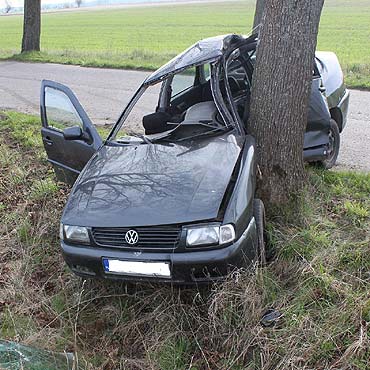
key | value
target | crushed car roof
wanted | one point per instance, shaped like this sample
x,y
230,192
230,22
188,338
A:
x,y
203,51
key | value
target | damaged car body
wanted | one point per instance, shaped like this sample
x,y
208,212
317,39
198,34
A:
x,y
169,195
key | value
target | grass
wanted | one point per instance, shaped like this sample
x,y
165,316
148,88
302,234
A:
x,y
319,281
147,37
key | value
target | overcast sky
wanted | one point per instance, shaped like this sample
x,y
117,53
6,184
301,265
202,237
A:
x,y
20,2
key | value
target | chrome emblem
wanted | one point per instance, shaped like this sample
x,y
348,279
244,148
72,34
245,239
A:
x,y
131,237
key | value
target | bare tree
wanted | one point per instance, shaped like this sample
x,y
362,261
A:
x,y
31,25
260,5
78,2
8,6
280,94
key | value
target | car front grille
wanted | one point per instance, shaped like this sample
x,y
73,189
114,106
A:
x,y
166,237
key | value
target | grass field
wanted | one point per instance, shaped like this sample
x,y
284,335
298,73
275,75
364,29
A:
x,y
146,37
319,281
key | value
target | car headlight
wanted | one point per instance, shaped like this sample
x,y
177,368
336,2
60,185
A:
x,y
75,234
209,235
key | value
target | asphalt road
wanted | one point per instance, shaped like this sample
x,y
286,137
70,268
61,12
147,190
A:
x,y
105,92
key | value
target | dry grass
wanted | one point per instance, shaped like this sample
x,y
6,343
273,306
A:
x,y
319,281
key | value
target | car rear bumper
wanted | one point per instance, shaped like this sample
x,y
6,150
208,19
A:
x,y
186,267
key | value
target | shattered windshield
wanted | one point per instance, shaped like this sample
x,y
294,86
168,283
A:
x,y
182,107
192,95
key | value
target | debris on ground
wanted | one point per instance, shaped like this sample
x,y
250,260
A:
x,y
15,356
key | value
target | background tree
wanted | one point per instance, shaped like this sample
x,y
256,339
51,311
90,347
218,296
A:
x,y
78,2
31,25
8,7
280,94
260,5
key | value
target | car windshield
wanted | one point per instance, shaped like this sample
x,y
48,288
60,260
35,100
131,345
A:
x,y
180,108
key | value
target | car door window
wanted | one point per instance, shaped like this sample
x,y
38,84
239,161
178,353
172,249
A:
x,y
206,72
182,82
60,111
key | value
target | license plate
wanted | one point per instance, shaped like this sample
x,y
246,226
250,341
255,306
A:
x,y
136,268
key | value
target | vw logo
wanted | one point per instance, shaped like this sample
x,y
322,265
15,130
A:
x,y
131,237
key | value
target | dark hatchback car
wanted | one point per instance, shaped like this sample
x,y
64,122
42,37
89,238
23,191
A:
x,y
170,194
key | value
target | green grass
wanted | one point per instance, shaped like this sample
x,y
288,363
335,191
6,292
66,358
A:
x,y
145,38
319,280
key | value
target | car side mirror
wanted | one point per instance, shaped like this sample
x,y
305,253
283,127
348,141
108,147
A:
x,y
75,133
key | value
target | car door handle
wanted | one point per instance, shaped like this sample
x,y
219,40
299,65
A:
x,y
48,141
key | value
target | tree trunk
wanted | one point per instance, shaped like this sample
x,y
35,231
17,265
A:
x,y
31,25
258,14
280,94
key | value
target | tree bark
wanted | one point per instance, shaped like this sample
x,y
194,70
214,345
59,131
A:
x,y
280,94
258,14
31,25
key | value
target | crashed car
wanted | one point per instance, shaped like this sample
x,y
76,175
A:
x,y
169,195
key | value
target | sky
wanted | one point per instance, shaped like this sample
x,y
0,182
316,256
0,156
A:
x,y
20,2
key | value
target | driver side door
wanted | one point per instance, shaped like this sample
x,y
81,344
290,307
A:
x,y
69,137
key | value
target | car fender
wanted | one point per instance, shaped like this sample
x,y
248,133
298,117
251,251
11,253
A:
x,y
239,210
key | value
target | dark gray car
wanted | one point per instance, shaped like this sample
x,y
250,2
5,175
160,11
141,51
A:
x,y
170,194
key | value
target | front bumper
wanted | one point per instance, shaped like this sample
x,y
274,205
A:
x,y
186,267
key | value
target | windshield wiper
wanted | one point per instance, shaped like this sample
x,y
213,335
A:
x,y
140,136
143,137
214,130
165,136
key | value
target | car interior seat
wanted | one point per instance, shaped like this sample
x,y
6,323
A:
x,y
156,123
204,112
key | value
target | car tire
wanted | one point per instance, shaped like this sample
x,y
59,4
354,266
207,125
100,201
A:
x,y
333,148
260,219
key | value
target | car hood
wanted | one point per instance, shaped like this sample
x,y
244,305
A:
x,y
155,184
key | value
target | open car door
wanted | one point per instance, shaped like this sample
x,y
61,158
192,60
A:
x,y
70,139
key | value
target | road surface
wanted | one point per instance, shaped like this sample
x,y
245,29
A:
x,y
105,92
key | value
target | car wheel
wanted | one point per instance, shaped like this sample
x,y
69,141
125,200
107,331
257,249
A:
x,y
333,147
260,218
